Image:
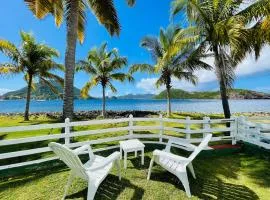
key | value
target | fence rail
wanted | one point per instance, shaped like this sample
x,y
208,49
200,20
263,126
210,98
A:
x,y
128,130
254,133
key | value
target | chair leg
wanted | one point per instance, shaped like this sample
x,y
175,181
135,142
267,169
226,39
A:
x,y
191,169
150,168
91,192
184,179
118,168
70,178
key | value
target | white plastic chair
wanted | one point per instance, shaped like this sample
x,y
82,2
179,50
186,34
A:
x,y
94,171
177,164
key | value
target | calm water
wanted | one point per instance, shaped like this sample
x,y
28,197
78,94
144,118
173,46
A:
x,y
194,105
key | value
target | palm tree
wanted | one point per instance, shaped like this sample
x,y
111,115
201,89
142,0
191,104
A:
x,y
75,13
222,27
173,56
32,59
103,67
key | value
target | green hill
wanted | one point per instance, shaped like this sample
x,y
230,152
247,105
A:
x,y
234,94
136,96
41,91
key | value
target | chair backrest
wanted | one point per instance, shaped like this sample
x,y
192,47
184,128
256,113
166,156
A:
x,y
70,158
199,148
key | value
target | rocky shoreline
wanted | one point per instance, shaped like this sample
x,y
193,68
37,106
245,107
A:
x,y
80,115
89,114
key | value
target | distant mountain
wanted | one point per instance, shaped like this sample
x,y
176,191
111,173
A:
x,y
41,91
136,96
234,94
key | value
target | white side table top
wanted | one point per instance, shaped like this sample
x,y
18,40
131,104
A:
x,y
131,144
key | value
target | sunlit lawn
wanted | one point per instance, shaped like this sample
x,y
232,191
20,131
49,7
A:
x,y
221,174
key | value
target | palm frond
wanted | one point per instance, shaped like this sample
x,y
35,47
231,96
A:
x,y
142,68
153,45
86,66
112,88
7,69
88,86
159,82
122,77
131,2
53,77
10,50
50,85
106,14
40,8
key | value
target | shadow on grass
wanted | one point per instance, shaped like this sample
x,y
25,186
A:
x,y
207,188
136,162
217,189
3,136
111,188
29,175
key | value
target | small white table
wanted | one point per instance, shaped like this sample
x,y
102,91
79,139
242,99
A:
x,y
130,146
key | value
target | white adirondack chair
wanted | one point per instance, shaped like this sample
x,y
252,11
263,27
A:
x,y
94,171
177,164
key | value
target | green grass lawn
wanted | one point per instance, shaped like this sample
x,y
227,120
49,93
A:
x,y
221,174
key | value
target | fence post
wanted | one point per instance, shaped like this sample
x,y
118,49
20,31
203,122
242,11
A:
x,y
258,133
187,125
234,127
206,126
130,125
241,128
161,127
67,131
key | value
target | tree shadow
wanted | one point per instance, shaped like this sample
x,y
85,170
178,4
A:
x,y
111,188
3,136
28,177
217,189
207,188
136,162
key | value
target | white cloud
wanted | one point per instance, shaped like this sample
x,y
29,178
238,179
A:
x,y
249,66
4,90
148,85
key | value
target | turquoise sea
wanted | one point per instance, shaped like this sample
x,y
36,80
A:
x,y
185,105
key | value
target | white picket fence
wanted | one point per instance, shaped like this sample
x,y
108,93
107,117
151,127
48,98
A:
x,y
191,135
253,132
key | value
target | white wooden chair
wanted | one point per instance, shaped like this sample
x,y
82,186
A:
x,y
177,164
94,171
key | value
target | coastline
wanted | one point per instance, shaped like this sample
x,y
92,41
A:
x,y
136,113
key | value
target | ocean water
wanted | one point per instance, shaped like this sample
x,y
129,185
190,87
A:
x,y
185,105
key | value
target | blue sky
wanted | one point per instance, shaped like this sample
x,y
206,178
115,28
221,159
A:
x,y
145,18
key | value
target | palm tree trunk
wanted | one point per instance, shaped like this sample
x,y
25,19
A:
x,y
72,26
222,85
28,98
224,99
103,101
168,88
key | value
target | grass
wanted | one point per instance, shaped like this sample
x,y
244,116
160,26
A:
x,y
222,174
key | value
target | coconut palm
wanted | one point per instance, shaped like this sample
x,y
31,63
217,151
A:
x,y
173,56
74,12
32,59
103,67
222,27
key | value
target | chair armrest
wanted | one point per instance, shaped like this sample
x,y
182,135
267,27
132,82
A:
x,y
81,149
111,158
179,143
171,156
